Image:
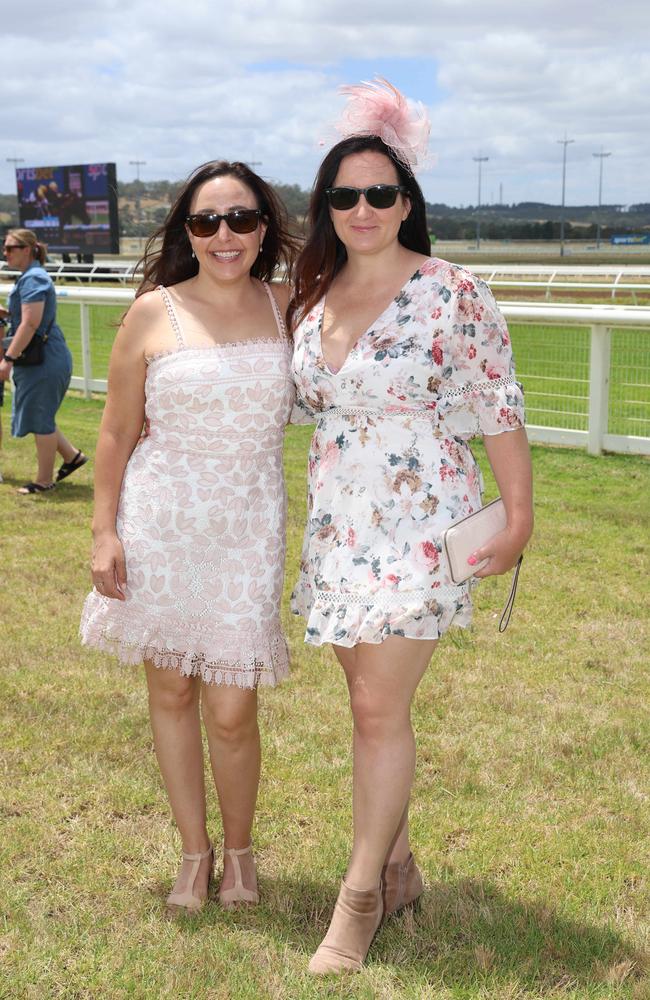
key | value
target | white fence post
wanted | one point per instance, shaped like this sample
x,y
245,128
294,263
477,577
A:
x,y
600,348
86,362
601,320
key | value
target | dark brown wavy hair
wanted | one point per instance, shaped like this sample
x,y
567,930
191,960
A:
x,y
324,255
167,257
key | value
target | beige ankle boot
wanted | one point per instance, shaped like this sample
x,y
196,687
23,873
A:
x,y
401,885
356,917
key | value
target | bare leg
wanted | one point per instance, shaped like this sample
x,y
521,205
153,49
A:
x,y
400,849
66,450
176,727
230,718
46,445
382,680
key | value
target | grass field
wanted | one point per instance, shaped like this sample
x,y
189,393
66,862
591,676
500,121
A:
x,y
531,812
552,362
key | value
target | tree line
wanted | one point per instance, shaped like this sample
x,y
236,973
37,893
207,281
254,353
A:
x,y
143,207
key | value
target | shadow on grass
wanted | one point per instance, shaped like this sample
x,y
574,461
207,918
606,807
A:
x,y
462,933
62,493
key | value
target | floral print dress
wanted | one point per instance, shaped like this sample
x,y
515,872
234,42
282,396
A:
x,y
389,465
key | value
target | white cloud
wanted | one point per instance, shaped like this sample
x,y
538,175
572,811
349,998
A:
x,y
177,83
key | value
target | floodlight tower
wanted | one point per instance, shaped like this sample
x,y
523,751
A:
x,y
564,142
480,160
601,156
137,164
15,160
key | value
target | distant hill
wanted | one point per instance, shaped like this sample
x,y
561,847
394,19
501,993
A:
x,y
144,206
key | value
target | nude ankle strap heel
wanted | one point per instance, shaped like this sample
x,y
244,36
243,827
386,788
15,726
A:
x,y
186,900
238,893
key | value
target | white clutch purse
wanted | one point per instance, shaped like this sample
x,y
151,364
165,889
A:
x,y
464,537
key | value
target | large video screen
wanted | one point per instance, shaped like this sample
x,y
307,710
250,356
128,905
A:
x,y
71,209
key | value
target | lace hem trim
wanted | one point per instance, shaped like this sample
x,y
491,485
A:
x,y
221,672
352,411
348,623
229,347
482,386
387,599
244,658
430,410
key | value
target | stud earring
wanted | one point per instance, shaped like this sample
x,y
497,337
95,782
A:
x,y
193,254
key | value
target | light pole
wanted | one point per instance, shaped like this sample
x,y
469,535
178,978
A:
x,y
480,160
16,160
137,164
564,142
601,156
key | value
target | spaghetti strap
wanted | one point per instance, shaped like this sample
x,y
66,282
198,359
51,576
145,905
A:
x,y
173,318
282,329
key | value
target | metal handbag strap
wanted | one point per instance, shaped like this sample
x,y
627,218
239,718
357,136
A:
x,y
510,603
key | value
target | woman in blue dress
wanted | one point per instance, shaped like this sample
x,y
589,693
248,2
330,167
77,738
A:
x,y
38,389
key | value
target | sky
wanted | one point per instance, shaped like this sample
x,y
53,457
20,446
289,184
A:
x,y
174,83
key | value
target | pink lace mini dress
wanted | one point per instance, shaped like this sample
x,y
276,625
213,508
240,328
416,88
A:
x,y
202,514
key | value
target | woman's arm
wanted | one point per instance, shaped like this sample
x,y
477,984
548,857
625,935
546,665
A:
x,y
509,457
119,433
31,314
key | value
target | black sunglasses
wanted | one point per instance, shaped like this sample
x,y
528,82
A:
x,y
240,220
13,246
377,196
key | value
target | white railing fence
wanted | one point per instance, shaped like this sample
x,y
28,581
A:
x,y
630,280
585,368
606,280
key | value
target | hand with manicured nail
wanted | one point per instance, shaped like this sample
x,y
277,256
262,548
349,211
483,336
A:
x,y
501,552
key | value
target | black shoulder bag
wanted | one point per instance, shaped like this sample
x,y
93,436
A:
x,y
34,353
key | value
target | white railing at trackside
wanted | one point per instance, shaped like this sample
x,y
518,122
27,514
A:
x,y
632,280
599,319
629,279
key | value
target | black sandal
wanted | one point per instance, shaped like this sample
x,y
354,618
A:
x,y
69,467
34,488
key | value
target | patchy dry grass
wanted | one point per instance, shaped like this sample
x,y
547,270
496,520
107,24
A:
x,y
531,811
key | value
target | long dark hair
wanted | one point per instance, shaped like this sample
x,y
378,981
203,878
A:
x,y
167,257
324,255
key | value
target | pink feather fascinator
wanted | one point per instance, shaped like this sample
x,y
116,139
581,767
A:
x,y
379,109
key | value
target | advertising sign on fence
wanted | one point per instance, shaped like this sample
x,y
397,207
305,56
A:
x,y
630,238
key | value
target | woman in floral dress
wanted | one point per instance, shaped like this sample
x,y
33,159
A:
x,y
400,358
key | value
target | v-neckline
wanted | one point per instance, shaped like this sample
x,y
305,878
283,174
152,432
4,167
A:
x,y
363,333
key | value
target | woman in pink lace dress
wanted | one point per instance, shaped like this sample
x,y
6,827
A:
x,y
189,521
400,359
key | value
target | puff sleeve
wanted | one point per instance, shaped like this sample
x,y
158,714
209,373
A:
x,y
478,390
